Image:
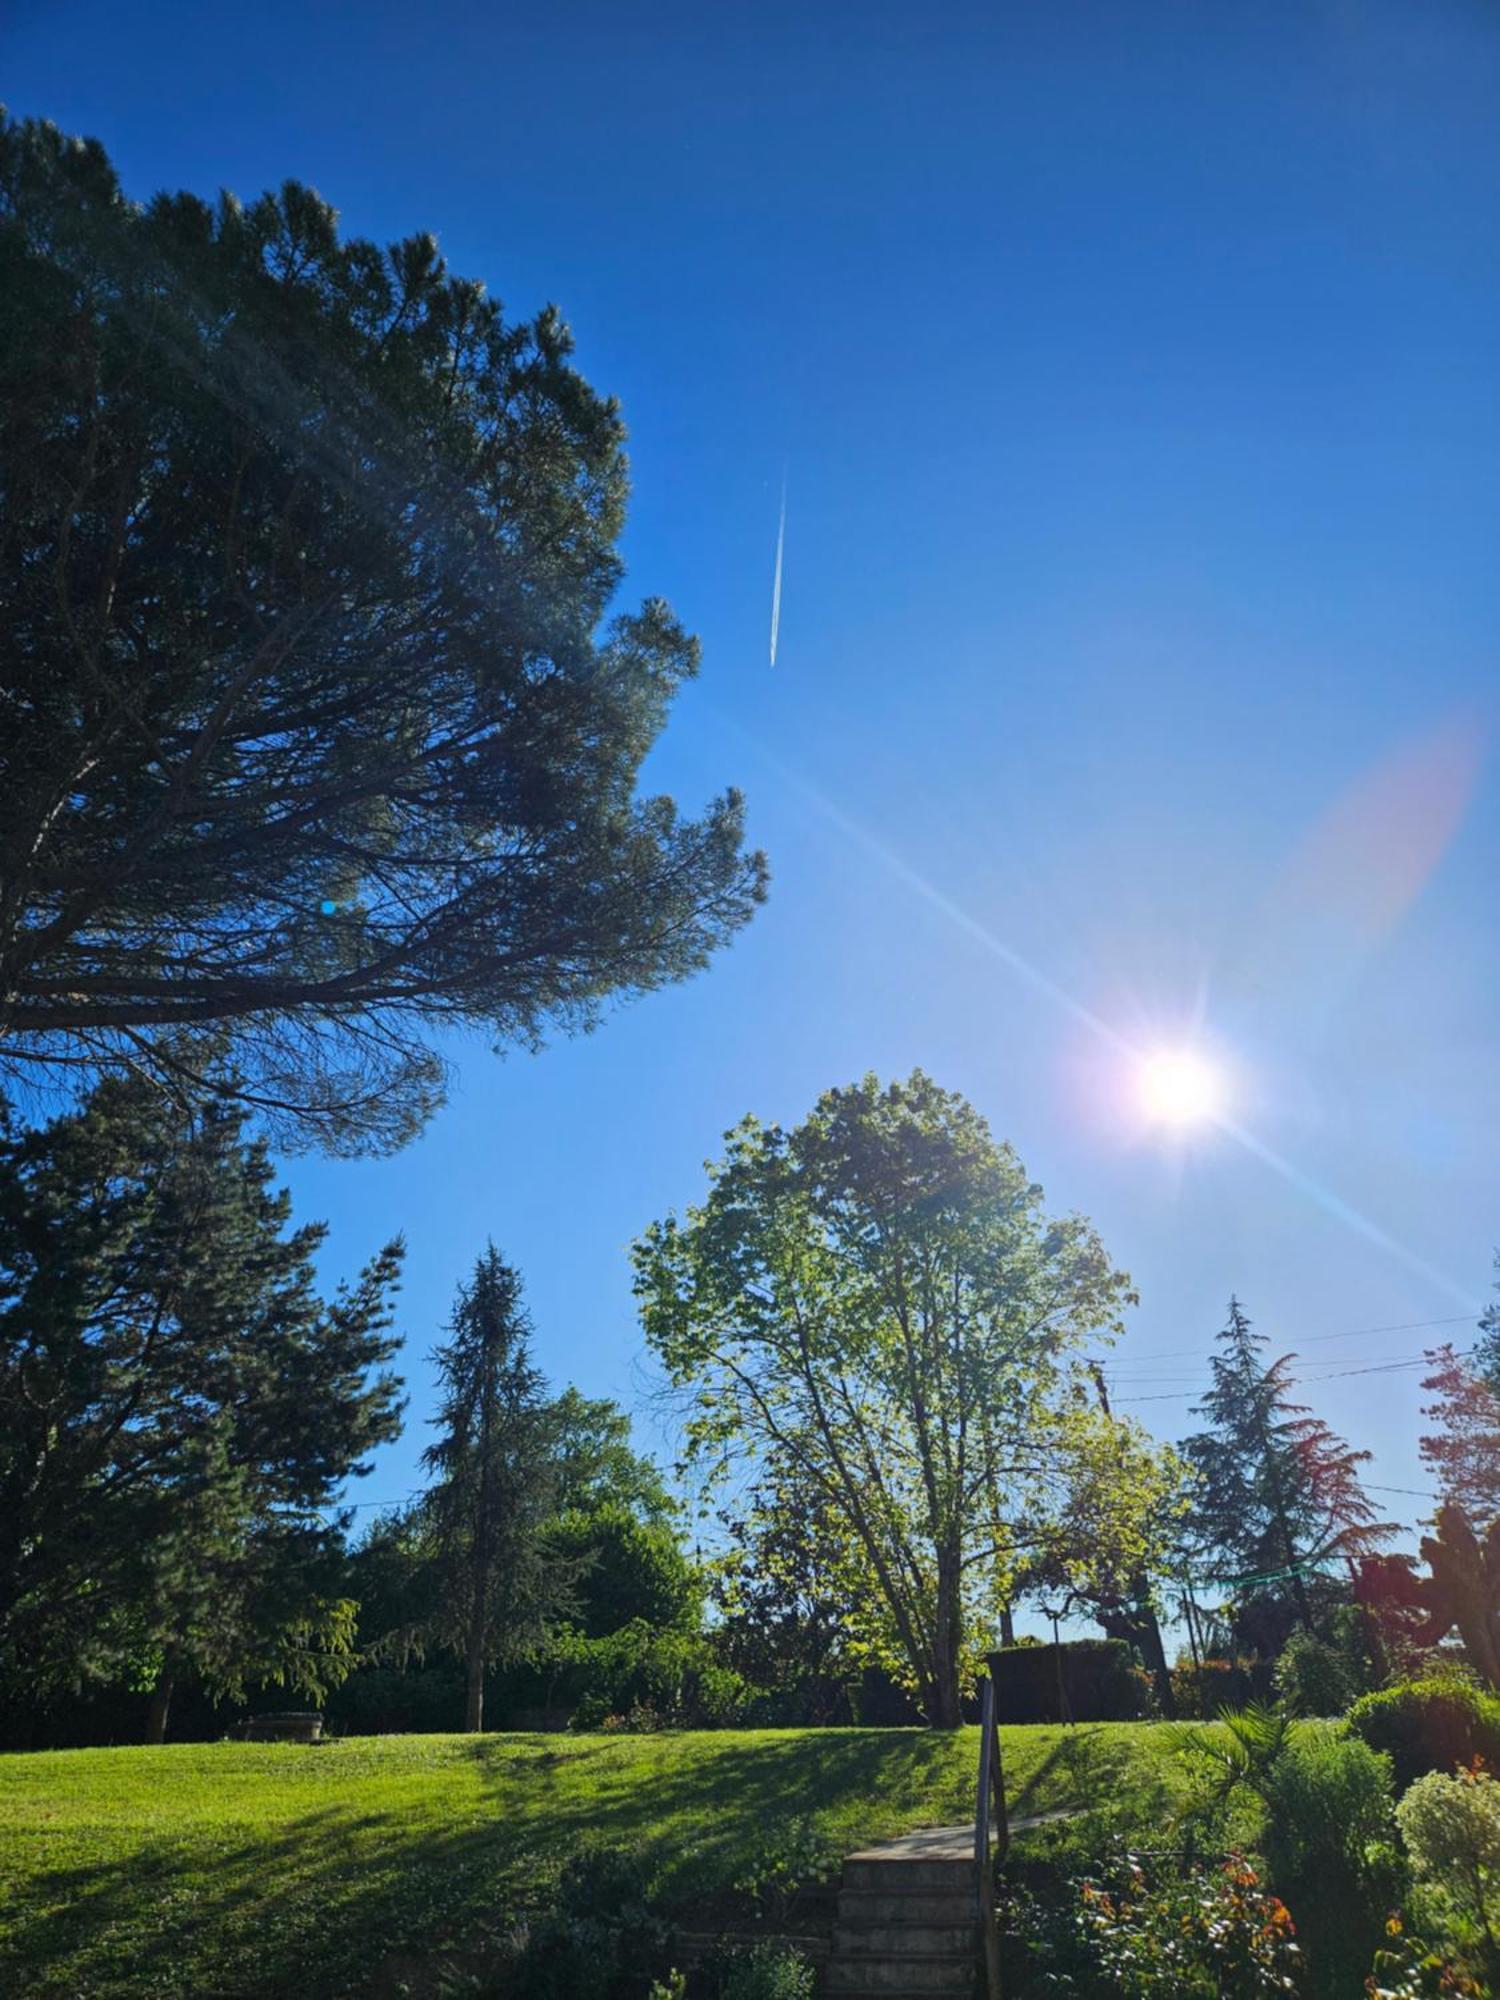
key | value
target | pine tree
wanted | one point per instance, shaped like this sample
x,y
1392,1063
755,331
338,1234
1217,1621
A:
x,y
1280,1494
313,726
498,1482
178,1406
1462,1451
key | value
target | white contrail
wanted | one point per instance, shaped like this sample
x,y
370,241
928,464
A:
x,y
776,585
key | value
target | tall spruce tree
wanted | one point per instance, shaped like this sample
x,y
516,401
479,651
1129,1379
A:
x,y
1279,1494
498,1481
313,728
178,1405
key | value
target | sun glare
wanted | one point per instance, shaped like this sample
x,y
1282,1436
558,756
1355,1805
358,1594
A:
x,y
1178,1087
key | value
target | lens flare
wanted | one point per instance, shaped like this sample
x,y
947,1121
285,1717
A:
x,y
1177,1087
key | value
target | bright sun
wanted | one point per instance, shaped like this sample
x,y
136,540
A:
x,y
1180,1088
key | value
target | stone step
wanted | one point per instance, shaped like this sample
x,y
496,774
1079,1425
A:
x,y
888,1976
867,1906
909,1878
905,1940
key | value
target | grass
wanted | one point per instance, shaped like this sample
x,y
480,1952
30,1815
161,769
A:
x,y
257,1870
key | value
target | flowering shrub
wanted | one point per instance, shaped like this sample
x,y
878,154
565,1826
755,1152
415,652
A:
x,y
1451,1826
1219,1934
1408,1969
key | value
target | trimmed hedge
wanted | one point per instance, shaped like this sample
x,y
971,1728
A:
x,y
1082,1680
1429,1725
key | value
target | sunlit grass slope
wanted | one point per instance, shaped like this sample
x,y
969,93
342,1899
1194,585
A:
x,y
259,1870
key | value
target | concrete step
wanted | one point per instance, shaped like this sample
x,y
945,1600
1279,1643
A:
x,y
886,1976
904,1940
908,1878
865,1906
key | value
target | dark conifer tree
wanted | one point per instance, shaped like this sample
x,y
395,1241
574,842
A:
x,y
1280,1495
498,1481
178,1405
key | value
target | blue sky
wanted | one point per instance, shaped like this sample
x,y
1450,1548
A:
x,y
1133,370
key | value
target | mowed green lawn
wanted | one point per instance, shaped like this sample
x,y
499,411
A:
x,y
351,1867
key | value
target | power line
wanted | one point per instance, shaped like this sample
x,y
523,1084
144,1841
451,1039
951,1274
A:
x,y
1348,1333
1334,1375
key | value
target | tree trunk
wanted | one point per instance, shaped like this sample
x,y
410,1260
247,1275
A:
x,y
161,1702
474,1682
1007,1626
945,1710
1156,1660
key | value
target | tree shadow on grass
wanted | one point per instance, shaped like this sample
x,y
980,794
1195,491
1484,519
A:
x,y
317,1903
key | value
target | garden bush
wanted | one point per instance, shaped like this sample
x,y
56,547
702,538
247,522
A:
x,y
1330,1849
1429,1725
1316,1676
1451,1826
1082,1680
602,1937
1154,1929
767,1970
1201,1692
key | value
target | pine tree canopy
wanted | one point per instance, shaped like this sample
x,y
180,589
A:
x,y
312,727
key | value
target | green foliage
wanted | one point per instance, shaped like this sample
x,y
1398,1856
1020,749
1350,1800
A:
x,y
312,726
1407,1968
628,1570
1202,1692
1330,1849
1144,1931
1237,1753
1279,1494
1429,1725
789,1856
501,1585
765,1970
1451,1825
645,1676
878,1300
1316,1676
177,1405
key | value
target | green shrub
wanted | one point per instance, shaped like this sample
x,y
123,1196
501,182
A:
x,y
1201,1692
785,1859
1315,1676
1082,1680
1330,1849
1182,1933
1451,1826
1429,1725
767,1970
602,1937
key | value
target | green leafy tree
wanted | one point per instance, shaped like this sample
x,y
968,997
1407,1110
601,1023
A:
x,y
178,1405
599,1467
878,1299
627,1570
1279,1495
788,1596
500,1586
1111,1536
1462,1450
311,727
